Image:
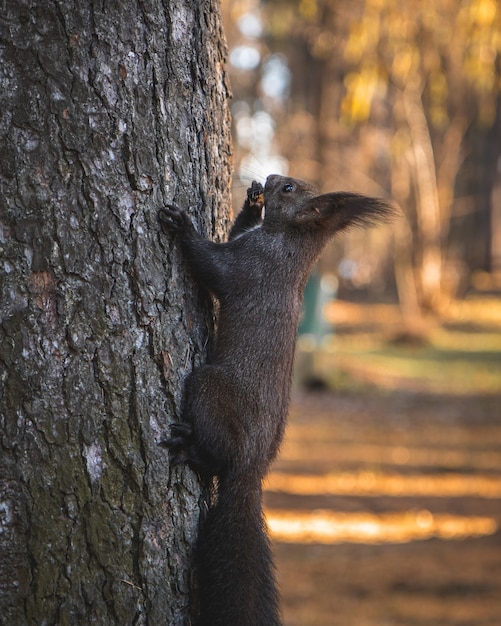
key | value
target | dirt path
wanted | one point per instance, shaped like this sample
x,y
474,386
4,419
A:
x,y
375,473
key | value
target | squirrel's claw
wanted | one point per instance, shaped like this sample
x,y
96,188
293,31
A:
x,y
181,436
182,447
179,443
173,219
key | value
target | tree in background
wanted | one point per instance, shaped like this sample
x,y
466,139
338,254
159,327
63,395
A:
x,y
435,68
399,99
107,111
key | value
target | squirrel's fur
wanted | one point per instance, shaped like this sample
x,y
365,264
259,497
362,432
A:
x,y
235,406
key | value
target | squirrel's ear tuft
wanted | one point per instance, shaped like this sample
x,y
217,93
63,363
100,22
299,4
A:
x,y
350,209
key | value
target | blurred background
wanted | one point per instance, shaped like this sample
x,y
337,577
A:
x,y
384,505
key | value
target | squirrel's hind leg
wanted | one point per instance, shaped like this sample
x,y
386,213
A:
x,y
182,447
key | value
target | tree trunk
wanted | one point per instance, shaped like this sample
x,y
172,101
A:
x,y
107,111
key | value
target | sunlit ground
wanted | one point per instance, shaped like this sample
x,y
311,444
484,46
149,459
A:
x,y
463,356
385,504
367,483
453,363
328,527
322,526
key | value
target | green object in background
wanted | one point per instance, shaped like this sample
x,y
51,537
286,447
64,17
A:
x,y
320,289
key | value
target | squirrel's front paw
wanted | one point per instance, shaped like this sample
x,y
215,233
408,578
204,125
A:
x,y
255,193
174,220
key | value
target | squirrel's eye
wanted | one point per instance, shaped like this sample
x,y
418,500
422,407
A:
x,y
288,188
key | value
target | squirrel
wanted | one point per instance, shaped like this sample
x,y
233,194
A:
x,y
235,406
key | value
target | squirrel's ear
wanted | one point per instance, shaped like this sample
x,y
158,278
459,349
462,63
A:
x,y
343,209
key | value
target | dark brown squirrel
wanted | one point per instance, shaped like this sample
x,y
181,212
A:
x,y
235,406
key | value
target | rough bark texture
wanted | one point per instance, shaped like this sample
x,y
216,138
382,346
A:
x,y
107,110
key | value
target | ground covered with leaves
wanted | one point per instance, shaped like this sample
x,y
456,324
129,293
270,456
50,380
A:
x,y
385,504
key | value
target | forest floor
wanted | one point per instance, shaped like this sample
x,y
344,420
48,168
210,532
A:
x,y
385,504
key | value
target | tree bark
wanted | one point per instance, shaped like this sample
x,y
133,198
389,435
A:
x,y
107,111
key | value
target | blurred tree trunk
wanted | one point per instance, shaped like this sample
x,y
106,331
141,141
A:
x,y
429,263
107,111
434,195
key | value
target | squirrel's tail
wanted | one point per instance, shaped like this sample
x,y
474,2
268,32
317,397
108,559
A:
x,y
235,568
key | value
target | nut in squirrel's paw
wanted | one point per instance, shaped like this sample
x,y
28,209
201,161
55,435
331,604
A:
x,y
255,193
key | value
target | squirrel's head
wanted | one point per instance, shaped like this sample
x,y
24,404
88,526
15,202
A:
x,y
291,203
284,197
